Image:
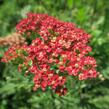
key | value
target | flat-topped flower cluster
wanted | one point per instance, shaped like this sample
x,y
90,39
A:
x,y
57,50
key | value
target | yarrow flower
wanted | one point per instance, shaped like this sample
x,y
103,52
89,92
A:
x,y
56,50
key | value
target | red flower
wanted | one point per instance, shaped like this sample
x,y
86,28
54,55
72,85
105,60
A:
x,y
61,91
58,51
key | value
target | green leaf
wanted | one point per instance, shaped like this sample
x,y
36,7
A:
x,y
70,3
30,62
54,67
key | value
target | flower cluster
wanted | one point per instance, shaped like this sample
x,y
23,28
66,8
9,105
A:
x,y
11,39
59,50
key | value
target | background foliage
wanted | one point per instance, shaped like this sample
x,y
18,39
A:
x,y
91,15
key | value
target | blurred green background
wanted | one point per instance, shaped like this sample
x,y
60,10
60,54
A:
x,y
91,15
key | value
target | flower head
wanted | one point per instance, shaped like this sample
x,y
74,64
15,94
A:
x,y
58,50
